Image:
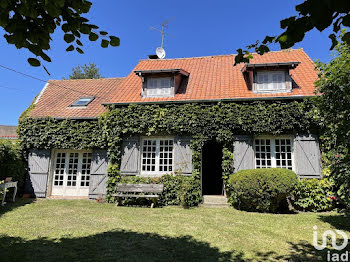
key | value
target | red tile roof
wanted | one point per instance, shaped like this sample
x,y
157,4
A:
x,y
58,95
8,132
216,77
211,78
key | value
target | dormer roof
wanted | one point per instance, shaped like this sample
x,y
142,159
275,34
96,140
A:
x,y
216,78
210,78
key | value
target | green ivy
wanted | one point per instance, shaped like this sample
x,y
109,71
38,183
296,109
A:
x,y
202,121
53,133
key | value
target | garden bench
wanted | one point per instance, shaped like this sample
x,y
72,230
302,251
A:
x,y
139,191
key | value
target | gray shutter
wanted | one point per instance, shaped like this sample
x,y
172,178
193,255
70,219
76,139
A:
x,y
307,156
130,156
38,167
183,155
243,153
98,174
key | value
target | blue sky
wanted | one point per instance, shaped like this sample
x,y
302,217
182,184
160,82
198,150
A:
x,y
200,28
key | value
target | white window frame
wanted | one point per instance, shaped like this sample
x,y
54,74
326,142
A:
x,y
159,90
273,150
270,82
156,172
65,190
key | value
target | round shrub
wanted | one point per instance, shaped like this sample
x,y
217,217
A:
x,y
262,190
313,195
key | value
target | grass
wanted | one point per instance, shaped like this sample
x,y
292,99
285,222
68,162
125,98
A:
x,y
82,230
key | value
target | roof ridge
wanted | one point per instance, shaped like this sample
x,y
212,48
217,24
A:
x,y
211,56
88,79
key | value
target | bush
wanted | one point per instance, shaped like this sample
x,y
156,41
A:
x,y
263,190
11,162
313,195
190,192
178,190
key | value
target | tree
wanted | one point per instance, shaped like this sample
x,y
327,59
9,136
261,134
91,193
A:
x,y
319,14
30,24
333,114
89,71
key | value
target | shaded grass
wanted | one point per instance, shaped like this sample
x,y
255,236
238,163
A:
x,y
82,230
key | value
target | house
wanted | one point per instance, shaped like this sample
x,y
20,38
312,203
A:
x,y
8,132
286,78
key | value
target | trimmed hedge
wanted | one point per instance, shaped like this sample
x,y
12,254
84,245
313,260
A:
x,y
262,190
313,195
178,189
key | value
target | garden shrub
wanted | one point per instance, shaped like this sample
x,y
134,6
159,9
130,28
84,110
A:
x,y
11,162
262,190
190,192
313,195
178,190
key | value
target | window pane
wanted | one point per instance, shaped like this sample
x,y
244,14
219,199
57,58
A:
x,y
85,170
284,155
157,155
59,170
262,153
165,157
159,87
271,81
149,155
72,169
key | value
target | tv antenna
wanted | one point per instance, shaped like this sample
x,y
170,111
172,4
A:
x,y
160,50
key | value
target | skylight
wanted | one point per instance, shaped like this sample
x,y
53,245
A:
x,y
83,101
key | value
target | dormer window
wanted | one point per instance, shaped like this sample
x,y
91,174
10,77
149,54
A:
x,y
83,101
159,87
163,82
269,78
271,81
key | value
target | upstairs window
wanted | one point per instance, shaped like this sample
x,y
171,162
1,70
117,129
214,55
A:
x,y
159,87
271,81
83,101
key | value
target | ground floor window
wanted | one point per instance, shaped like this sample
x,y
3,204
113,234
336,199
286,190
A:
x,y
157,155
274,152
71,173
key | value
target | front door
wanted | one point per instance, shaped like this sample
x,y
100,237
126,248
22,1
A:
x,y
71,173
212,182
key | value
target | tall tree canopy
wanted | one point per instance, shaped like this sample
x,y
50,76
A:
x,y
29,24
333,114
319,14
89,71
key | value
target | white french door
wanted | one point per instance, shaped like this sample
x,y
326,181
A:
x,y
71,173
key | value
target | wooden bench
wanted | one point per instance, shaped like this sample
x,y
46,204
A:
x,y
139,191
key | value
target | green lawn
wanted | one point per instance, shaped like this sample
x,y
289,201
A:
x,y
82,230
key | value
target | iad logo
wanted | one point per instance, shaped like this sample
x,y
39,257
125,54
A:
x,y
332,234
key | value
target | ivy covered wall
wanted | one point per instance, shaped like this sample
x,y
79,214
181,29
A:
x,y
202,121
